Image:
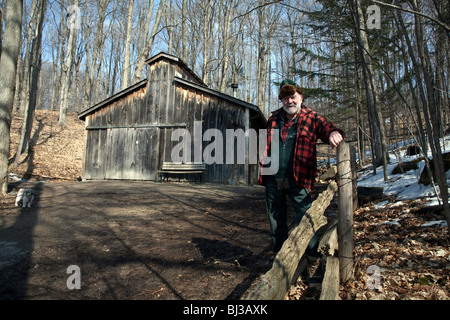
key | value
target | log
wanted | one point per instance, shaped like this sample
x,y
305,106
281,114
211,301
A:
x,y
276,282
369,194
329,174
330,283
328,244
425,178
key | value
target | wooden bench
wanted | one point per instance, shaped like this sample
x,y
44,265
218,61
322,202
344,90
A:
x,y
181,168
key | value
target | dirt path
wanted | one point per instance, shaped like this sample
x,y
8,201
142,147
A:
x,y
134,240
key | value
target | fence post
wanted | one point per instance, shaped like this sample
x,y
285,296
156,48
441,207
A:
x,y
345,211
354,168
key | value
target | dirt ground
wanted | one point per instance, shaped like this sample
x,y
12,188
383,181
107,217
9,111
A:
x,y
163,241
134,240
131,240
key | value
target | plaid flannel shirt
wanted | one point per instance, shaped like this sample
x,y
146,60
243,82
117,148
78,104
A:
x,y
310,127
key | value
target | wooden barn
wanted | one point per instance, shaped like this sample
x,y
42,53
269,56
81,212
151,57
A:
x,y
129,135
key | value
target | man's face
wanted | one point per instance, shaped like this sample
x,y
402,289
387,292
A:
x,y
292,104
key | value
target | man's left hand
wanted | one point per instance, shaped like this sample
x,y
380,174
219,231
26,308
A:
x,y
335,139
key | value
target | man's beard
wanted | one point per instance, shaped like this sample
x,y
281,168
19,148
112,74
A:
x,y
289,110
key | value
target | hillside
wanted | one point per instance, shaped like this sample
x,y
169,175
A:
x,y
56,152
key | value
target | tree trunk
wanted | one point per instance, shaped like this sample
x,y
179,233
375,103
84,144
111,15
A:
x,y
207,37
1,30
375,116
23,90
184,54
58,61
345,211
148,40
96,53
416,100
261,62
8,68
431,111
170,26
225,47
66,73
127,64
35,70
330,283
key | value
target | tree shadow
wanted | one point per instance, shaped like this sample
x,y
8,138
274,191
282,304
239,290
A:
x,y
216,250
260,264
29,158
220,250
16,246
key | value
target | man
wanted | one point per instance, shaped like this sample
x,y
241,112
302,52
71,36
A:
x,y
299,128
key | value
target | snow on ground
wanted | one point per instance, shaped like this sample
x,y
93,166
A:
x,y
404,186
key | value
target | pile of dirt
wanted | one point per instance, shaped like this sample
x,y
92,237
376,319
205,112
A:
x,y
54,153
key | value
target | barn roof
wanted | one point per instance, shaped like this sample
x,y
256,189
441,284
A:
x,y
198,85
82,115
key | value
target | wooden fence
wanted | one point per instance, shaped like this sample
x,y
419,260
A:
x,y
336,242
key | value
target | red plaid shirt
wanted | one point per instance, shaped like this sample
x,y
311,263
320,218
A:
x,y
310,127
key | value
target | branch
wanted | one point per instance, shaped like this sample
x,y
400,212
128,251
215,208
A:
x,y
440,23
256,8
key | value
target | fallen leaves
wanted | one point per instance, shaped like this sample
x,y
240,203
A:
x,y
410,250
57,151
401,253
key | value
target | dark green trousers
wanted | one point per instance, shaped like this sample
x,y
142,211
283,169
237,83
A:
x,y
276,204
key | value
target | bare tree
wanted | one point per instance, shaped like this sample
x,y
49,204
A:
x,y
207,33
66,69
267,22
94,64
8,68
35,70
148,38
127,63
183,30
1,29
431,108
375,117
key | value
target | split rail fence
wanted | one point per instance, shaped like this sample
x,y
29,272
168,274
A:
x,y
336,242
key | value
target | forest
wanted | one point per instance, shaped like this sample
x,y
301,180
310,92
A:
x,y
378,69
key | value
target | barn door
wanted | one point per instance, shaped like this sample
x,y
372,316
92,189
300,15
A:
x,y
143,165
131,153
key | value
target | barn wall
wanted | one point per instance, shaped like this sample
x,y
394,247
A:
x,y
214,113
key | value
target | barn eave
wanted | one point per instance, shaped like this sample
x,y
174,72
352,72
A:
x,y
224,96
138,85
